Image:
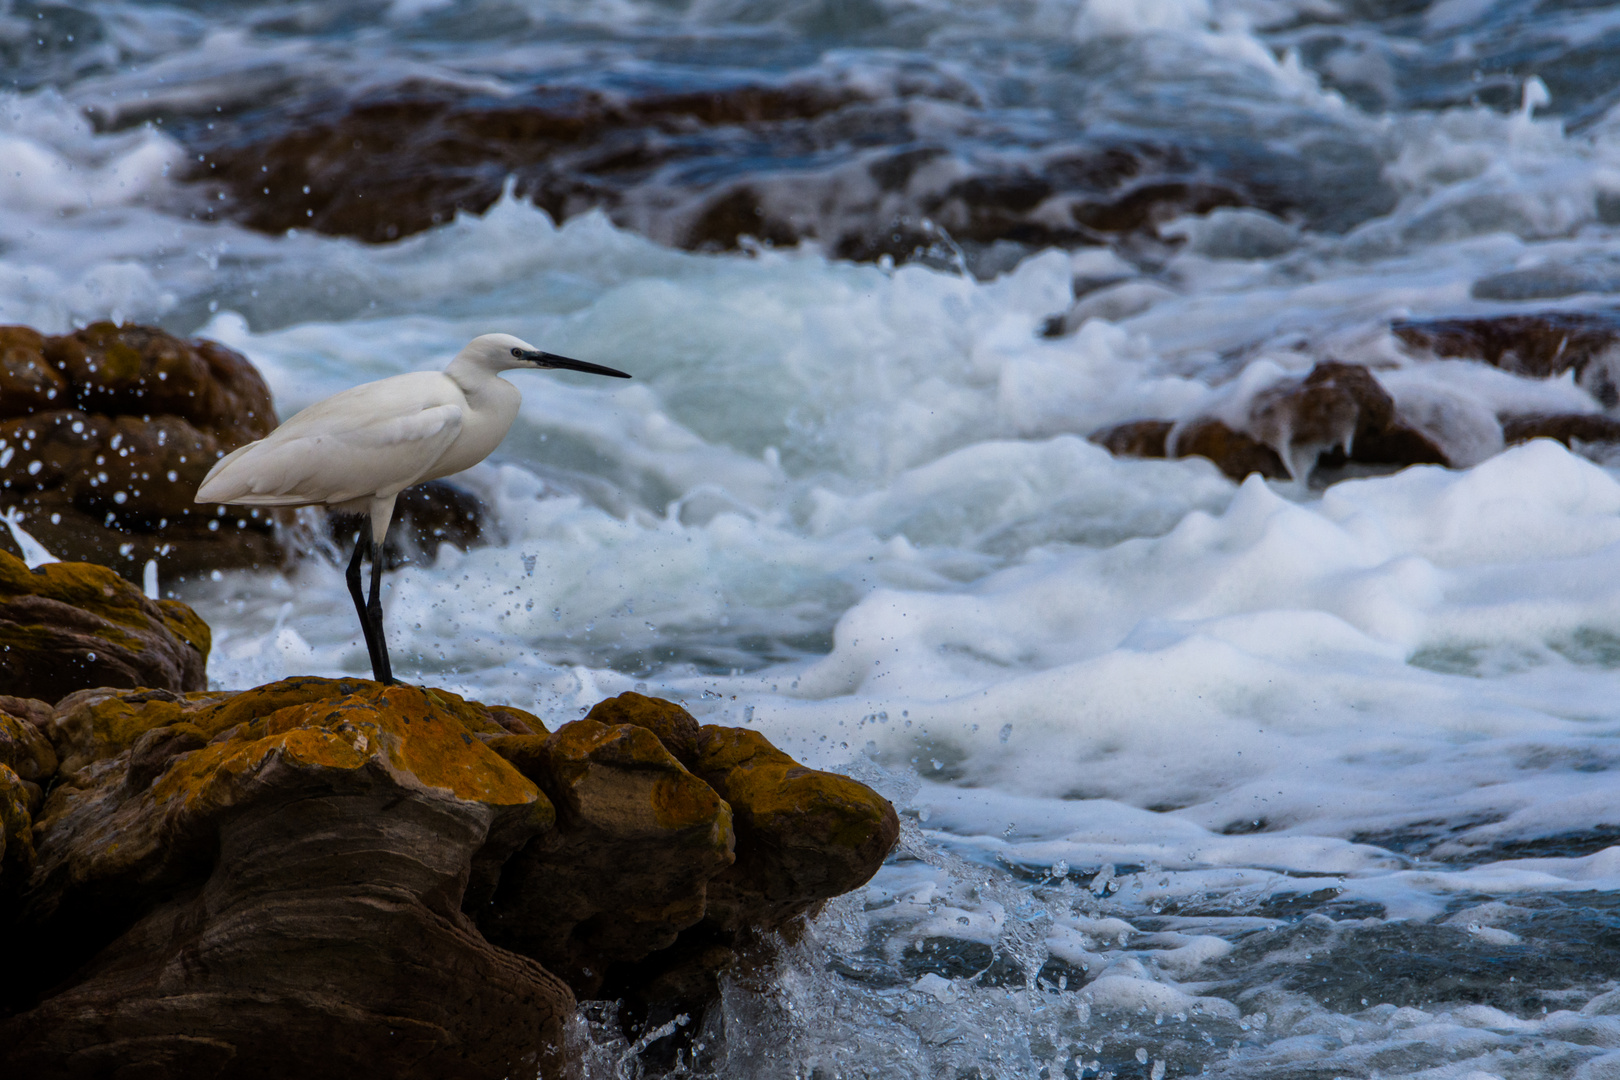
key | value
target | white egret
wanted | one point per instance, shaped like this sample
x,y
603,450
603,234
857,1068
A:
x,y
358,449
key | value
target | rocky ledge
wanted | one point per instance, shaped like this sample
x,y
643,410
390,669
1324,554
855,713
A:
x,y
336,878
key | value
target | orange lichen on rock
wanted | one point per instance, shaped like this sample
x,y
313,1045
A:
x,y
638,837
16,827
25,750
673,725
307,846
305,872
803,835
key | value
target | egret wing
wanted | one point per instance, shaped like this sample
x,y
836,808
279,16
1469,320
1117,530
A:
x,y
350,454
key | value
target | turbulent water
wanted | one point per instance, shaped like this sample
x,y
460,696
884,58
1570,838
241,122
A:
x,y
1198,778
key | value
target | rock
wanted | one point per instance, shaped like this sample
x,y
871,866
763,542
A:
x,y
1337,413
18,799
1235,453
803,836
27,753
105,434
673,725
1567,428
270,884
1144,207
1138,438
859,169
333,878
68,626
627,868
33,710
1537,346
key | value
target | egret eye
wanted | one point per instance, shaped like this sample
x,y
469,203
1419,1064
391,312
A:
x,y
517,352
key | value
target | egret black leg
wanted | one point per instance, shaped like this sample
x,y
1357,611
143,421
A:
x,y
379,659
359,597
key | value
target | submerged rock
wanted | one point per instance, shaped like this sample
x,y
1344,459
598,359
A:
x,y
105,434
858,168
1334,416
1568,428
332,878
1538,346
68,626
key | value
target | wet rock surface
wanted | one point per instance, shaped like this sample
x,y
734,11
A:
x,y
335,878
69,626
855,169
1538,345
1334,416
105,434
1567,428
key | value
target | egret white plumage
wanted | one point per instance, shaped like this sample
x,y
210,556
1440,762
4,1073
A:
x,y
358,449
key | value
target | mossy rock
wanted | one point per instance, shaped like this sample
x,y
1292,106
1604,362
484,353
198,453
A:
x,y
803,835
72,626
105,434
274,881
673,725
16,828
25,750
638,838
154,773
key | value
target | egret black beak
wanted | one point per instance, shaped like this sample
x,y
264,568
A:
x,y
552,360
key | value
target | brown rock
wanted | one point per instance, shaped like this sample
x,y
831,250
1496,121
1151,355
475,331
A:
x,y
1340,411
68,626
33,710
673,725
803,836
271,884
404,158
626,869
25,750
1235,453
1566,428
17,799
1335,415
105,434
1139,438
28,382
1145,207
1538,345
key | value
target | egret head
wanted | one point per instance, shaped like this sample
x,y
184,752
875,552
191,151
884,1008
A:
x,y
503,352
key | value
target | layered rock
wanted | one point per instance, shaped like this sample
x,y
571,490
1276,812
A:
x,y
68,626
105,434
336,878
269,884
